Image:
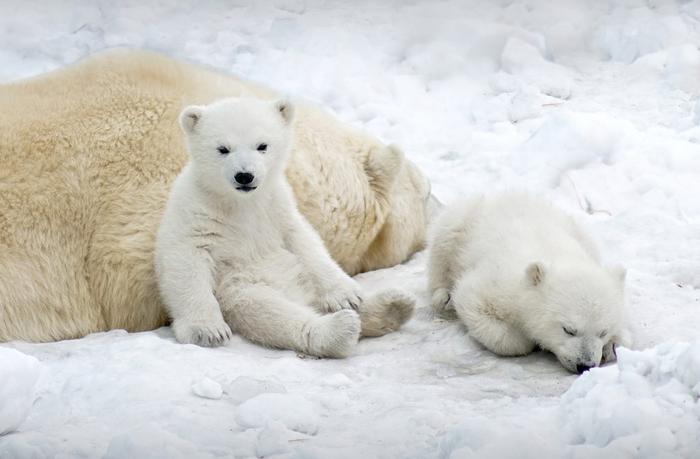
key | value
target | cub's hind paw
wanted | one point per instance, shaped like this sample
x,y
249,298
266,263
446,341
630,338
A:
x,y
334,335
386,312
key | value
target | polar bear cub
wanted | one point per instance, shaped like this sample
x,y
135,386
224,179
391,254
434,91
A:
x,y
520,274
233,251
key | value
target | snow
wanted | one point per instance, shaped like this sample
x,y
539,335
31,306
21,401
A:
x,y
292,411
647,406
208,388
18,376
594,104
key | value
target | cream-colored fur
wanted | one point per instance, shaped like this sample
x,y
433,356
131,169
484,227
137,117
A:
x,y
233,251
520,274
87,157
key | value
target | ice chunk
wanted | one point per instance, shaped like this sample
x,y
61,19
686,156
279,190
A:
x,y
244,388
293,411
208,388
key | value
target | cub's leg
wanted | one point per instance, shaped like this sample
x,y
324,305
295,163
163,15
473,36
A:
x,y
485,324
449,234
441,274
263,315
185,281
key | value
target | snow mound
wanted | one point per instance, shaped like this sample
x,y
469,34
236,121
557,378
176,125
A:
x,y
293,411
630,32
568,141
648,403
646,406
207,388
244,388
18,377
526,61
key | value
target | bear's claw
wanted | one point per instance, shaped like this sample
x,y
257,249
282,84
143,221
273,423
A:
x,y
206,334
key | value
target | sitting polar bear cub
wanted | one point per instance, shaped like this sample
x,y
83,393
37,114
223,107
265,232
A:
x,y
233,250
520,274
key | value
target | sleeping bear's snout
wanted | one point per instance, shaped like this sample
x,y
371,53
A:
x,y
578,366
587,359
582,367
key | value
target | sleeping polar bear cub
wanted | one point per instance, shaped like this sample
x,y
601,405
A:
x,y
233,251
520,273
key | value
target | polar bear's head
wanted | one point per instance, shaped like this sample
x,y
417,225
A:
x,y
237,145
577,312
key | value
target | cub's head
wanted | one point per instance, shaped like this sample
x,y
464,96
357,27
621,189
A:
x,y
578,313
238,145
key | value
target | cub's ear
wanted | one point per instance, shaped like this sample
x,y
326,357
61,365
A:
x,y
190,118
286,110
619,272
535,273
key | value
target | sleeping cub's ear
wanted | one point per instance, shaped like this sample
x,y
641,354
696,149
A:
x,y
286,109
190,118
535,273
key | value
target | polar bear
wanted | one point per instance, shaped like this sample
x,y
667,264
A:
x,y
234,252
521,274
87,158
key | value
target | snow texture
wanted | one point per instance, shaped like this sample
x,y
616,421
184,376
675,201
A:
x,y
18,377
595,104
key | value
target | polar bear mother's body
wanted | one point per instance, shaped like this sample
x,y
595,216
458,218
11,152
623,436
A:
x,y
88,156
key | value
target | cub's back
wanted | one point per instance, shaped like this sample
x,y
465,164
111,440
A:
x,y
513,228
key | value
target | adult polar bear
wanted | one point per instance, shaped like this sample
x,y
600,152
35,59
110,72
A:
x,y
88,155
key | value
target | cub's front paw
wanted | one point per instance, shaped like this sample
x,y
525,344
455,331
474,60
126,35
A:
x,y
609,353
343,296
622,339
441,301
210,333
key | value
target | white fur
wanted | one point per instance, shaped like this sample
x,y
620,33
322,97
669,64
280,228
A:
x,y
519,272
226,256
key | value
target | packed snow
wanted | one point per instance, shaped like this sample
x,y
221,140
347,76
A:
x,y
596,105
18,377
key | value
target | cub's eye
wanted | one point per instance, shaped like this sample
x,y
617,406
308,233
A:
x,y
603,333
569,331
262,147
223,150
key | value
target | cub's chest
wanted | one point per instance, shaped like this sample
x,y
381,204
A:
x,y
236,236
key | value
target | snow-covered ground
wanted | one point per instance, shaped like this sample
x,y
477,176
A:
x,y
594,104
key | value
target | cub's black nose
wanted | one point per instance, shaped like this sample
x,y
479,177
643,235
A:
x,y
581,368
244,178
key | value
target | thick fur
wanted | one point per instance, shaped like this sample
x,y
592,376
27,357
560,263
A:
x,y
233,251
88,155
520,274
